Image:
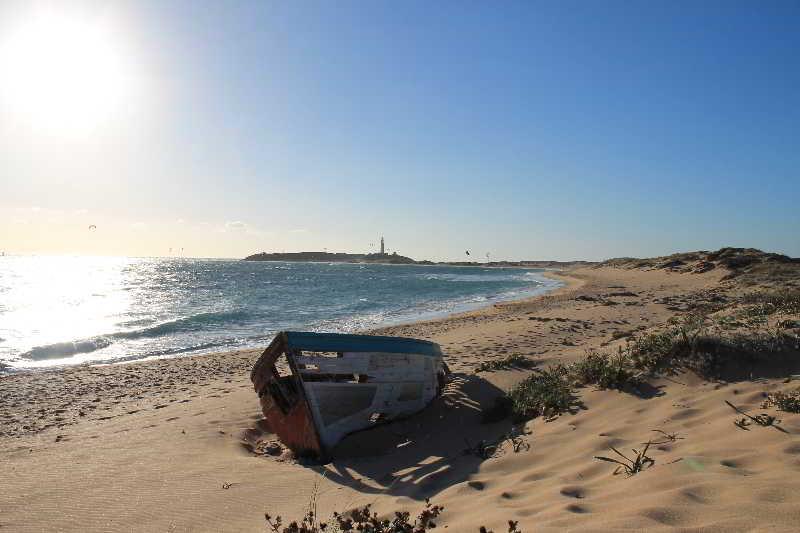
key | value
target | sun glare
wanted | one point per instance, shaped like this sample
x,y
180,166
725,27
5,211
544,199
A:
x,y
62,73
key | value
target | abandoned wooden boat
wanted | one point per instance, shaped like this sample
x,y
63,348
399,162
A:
x,y
315,388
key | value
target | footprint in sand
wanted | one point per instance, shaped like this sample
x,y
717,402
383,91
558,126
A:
x,y
574,491
578,509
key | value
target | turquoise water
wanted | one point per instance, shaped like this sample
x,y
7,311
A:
x,y
71,310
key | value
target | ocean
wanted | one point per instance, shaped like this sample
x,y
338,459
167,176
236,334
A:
x,y
57,311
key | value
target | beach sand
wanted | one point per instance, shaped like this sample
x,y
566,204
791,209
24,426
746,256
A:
x,y
167,445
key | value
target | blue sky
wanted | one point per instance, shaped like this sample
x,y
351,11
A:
x,y
528,130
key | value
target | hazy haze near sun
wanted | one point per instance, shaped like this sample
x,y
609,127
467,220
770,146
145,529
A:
x,y
530,130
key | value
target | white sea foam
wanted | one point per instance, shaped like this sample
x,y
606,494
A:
x,y
61,311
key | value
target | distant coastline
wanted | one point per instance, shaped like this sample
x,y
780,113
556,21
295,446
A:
x,y
395,259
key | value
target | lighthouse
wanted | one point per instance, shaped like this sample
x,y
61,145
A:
x,y
382,251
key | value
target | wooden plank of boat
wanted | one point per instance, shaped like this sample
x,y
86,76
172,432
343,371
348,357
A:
x,y
315,388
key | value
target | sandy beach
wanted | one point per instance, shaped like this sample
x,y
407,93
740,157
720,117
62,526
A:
x,y
173,445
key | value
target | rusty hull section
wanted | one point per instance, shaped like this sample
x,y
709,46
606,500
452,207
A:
x,y
291,419
330,385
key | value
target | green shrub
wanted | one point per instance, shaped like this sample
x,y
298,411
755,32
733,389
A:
x,y
784,401
605,371
544,393
658,351
511,361
654,351
786,301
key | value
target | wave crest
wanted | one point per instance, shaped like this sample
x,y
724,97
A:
x,y
66,349
190,323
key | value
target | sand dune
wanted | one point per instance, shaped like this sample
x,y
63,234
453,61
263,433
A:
x,y
169,445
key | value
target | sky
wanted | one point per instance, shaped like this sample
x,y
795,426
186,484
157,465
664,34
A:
x,y
525,130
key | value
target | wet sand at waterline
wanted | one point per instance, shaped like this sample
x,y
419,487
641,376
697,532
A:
x,y
168,445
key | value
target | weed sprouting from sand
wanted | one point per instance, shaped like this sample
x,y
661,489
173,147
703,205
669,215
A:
x,y
365,520
667,437
654,351
513,527
764,419
630,466
487,449
511,361
689,343
482,449
606,371
550,392
516,437
545,393
782,301
784,401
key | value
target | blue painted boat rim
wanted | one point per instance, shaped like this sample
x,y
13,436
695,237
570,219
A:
x,y
344,342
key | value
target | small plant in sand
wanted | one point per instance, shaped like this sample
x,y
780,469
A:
x,y
605,371
630,466
764,419
654,351
784,401
545,393
513,527
487,449
364,520
666,437
661,350
360,520
483,449
785,301
510,361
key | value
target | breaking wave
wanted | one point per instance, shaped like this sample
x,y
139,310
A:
x,y
60,350
124,309
198,322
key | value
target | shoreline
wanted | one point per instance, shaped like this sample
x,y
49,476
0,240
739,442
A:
x,y
460,307
107,446
239,360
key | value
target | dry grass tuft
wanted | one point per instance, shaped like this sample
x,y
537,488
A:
x,y
630,466
784,401
511,361
764,419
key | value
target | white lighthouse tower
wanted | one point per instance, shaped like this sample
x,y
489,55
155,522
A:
x,y
382,250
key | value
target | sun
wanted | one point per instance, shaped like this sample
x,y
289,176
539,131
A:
x,y
63,72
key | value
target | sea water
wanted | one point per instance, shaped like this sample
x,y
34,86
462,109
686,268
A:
x,y
58,311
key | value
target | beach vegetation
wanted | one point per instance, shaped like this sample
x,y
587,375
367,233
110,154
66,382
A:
x,y
784,301
508,362
365,520
784,401
763,419
614,371
630,466
545,393
665,437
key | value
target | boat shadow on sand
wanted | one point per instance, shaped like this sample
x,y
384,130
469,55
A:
x,y
421,455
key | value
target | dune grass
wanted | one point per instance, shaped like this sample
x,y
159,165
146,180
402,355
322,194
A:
x,y
510,361
784,401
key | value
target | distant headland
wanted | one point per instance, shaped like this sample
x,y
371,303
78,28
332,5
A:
x,y
328,257
395,259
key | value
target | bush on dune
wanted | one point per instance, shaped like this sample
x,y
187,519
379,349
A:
x,y
604,370
784,401
367,521
544,393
